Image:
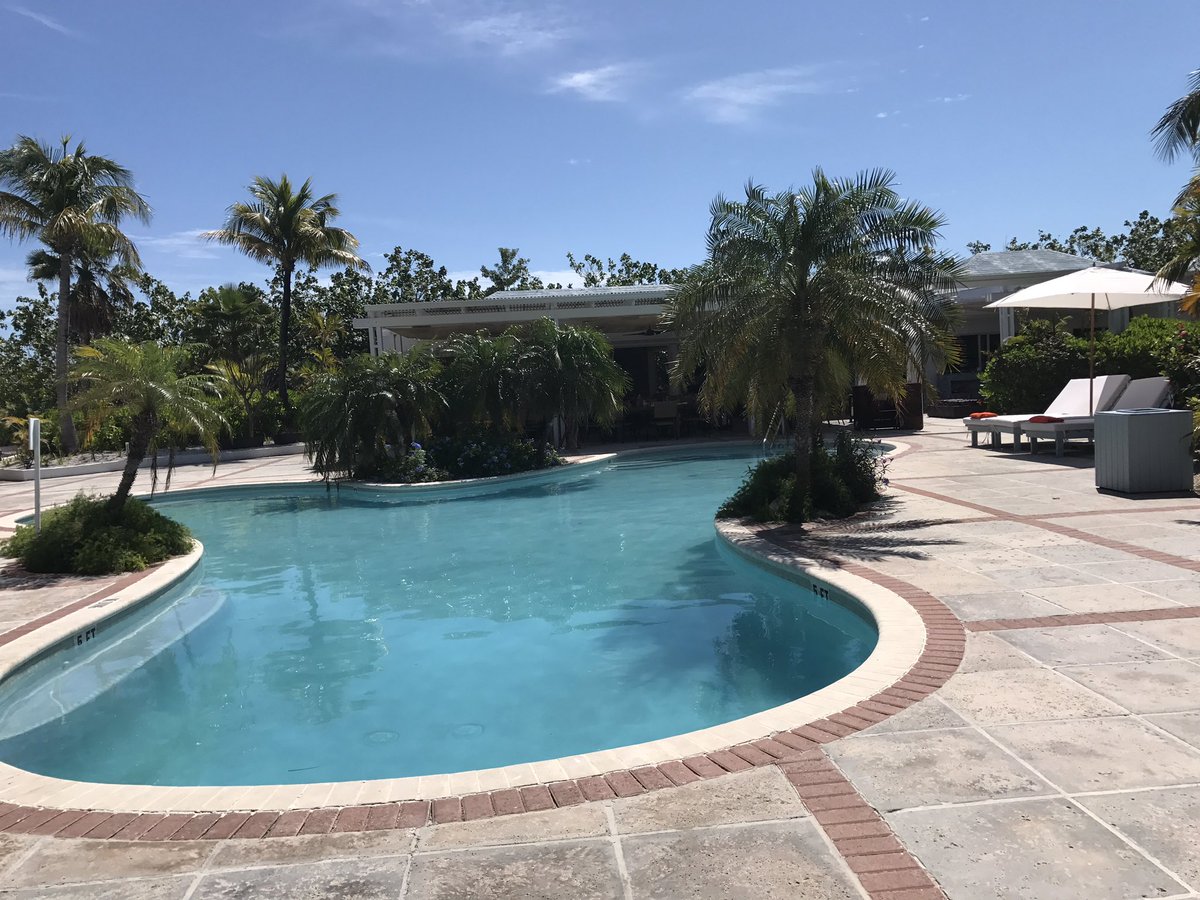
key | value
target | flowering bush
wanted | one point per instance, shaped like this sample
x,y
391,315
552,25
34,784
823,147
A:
x,y
413,467
484,455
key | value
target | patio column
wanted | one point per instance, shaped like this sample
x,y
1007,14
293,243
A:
x,y
1008,323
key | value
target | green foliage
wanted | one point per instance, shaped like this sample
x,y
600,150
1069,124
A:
x,y
484,454
1029,370
413,277
73,203
15,430
510,273
1147,243
413,467
569,371
89,537
806,289
146,382
598,272
483,379
285,226
842,482
27,337
356,419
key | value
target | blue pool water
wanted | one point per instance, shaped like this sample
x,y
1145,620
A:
x,y
341,636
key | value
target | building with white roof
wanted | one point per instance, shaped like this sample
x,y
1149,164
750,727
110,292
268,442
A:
x,y
631,316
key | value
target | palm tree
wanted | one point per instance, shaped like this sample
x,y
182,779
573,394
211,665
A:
x,y
283,227
74,203
99,292
485,372
144,382
570,372
1178,130
324,331
1184,265
353,415
804,290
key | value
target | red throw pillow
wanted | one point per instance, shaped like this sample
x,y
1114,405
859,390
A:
x,y
983,415
1041,419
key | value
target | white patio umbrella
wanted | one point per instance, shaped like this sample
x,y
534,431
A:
x,y
1097,287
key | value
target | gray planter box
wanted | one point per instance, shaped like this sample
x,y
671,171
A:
x,y
1144,451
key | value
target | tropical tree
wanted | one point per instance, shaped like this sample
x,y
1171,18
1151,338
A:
x,y
1184,265
570,372
356,417
283,226
100,292
27,337
74,203
324,330
236,328
485,378
145,382
1178,131
511,272
596,272
806,289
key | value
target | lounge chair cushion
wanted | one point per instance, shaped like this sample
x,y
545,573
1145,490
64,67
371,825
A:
x,y
1045,419
1144,393
983,415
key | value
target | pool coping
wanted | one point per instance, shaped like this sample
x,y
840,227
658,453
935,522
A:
x,y
905,666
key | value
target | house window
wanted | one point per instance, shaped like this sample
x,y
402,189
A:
x,y
977,349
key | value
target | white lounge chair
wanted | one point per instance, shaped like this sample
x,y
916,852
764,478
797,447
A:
x,y
1142,393
1071,403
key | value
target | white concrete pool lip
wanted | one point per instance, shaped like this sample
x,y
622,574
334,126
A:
x,y
902,637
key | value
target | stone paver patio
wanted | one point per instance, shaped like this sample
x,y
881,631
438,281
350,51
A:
x,y
1061,759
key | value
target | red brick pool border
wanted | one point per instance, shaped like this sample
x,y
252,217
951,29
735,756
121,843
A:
x,y
938,661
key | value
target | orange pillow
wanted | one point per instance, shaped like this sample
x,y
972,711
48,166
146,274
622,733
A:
x,y
983,415
1041,419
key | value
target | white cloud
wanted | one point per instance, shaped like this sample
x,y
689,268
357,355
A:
x,y
510,31
887,115
951,98
739,98
180,244
506,28
44,20
575,161
603,84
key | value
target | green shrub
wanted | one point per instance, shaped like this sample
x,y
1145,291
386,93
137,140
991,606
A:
x,y
487,454
1028,371
842,482
85,537
414,467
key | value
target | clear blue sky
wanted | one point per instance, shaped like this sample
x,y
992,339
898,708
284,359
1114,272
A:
x,y
455,126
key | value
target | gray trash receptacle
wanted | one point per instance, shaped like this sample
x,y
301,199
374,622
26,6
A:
x,y
1142,451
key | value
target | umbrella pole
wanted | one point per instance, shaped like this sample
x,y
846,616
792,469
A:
x,y
1092,362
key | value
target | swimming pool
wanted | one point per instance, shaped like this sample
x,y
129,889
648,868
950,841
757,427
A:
x,y
363,634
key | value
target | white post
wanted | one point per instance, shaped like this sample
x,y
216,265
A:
x,y
1008,323
35,444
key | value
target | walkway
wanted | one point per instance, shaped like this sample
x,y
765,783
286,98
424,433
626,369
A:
x,y
1061,760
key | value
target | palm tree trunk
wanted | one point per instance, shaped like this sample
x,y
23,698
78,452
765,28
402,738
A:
x,y
803,390
139,444
285,322
66,425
